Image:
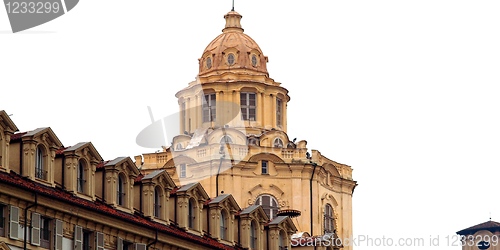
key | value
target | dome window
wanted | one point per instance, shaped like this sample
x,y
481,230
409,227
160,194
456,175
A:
x,y
254,60
209,62
230,59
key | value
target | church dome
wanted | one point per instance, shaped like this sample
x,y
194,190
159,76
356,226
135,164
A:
x,y
233,51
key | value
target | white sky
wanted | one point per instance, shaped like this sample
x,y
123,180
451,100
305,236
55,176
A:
x,y
403,91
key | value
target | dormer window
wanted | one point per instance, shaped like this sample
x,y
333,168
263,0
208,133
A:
x,y
120,199
157,203
39,163
209,62
223,225
80,180
278,143
230,59
254,60
191,214
226,140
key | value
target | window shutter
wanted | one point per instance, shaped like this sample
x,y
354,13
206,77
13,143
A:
x,y
14,223
140,246
59,235
78,238
35,229
99,241
119,244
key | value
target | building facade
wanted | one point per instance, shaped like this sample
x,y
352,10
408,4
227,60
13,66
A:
x,y
57,197
232,138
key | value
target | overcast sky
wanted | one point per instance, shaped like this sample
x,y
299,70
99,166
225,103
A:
x,y
405,92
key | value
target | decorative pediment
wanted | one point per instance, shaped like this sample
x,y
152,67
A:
x,y
159,177
283,222
268,138
236,136
181,159
123,164
255,212
225,201
6,124
45,136
84,150
194,190
266,156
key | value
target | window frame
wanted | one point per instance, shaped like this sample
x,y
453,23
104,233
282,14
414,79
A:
x,y
2,219
264,167
328,219
80,179
209,107
192,214
254,238
279,111
270,210
157,202
278,143
246,107
40,166
183,170
120,191
223,225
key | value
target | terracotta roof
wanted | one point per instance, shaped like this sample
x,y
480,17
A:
x,y
14,179
17,136
491,226
61,150
101,164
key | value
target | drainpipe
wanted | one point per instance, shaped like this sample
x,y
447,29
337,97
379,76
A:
x,y
21,158
221,151
26,220
63,167
311,196
154,242
140,199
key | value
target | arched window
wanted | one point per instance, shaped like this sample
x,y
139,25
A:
x,y
178,147
223,225
329,220
121,190
80,176
39,163
191,214
157,203
230,59
226,140
278,143
269,204
253,235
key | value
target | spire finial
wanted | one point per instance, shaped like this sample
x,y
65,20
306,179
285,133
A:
x,y
232,9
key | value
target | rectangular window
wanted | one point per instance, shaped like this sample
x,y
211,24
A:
x,y
209,108
182,171
45,232
279,110
265,167
248,105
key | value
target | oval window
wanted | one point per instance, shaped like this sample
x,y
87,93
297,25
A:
x,y
209,63
254,60
230,59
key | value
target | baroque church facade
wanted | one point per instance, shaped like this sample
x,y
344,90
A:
x,y
233,139
231,179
